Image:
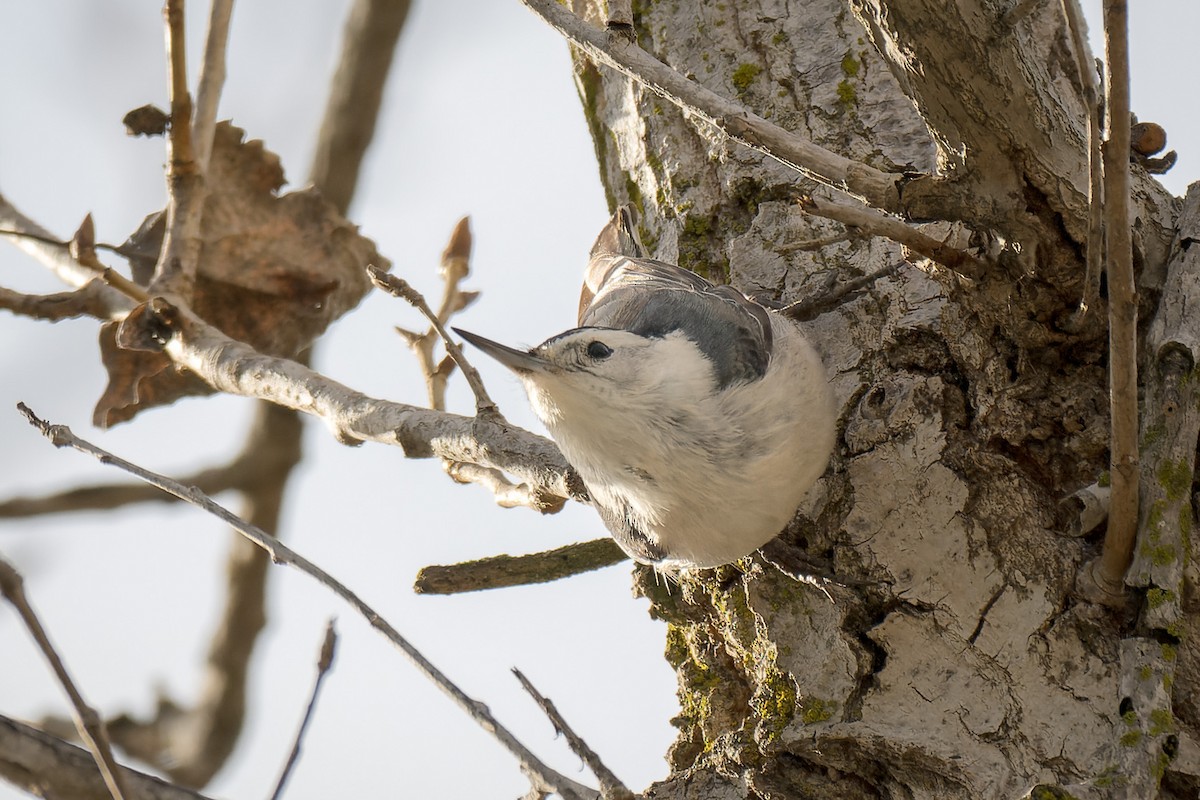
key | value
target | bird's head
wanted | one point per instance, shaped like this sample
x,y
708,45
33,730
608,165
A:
x,y
605,375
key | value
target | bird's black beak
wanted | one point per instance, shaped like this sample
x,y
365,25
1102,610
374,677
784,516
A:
x,y
519,361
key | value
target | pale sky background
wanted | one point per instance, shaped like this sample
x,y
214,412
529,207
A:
x,y
481,118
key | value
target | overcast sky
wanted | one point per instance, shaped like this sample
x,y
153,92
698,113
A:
x,y
481,118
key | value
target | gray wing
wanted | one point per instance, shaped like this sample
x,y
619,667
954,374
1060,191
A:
x,y
653,298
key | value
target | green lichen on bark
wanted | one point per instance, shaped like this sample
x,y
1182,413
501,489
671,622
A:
x,y
743,76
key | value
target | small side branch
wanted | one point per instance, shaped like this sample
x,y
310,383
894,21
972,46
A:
x,y
62,436
87,722
88,301
324,664
212,79
611,787
398,287
176,268
878,223
1085,65
498,572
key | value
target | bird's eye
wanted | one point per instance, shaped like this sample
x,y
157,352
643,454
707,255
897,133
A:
x,y
599,350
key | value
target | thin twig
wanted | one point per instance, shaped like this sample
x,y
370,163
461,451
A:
x,y
878,188
880,224
398,287
813,307
87,301
324,663
1085,65
176,268
54,253
62,436
1122,310
497,572
87,722
212,79
611,787
506,493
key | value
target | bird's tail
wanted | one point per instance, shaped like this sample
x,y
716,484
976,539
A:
x,y
619,237
618,240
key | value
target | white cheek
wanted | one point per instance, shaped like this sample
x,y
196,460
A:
x,y
543,404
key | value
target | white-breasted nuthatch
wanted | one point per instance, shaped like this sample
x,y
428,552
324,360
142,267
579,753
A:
x,y
697,418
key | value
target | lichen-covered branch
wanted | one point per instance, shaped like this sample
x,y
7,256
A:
x,y
88,724
498,572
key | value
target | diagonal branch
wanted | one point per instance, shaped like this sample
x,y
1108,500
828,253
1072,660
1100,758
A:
x,y
324,664
877,188
611,787
62,436
878,223
230,366
369,44
87,722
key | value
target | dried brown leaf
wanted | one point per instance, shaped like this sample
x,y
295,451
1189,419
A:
x,y
148,120
274,271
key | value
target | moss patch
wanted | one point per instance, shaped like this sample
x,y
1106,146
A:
x,y
744,75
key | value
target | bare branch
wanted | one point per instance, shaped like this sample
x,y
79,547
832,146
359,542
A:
x,y
398,287
1083,510
1122,309
54,253
877,188
1085,64
88,301
498,572
49,767
212,79
230,366
87,722
507,493
62,436
812,307
324,663
176,268
880,224
368,46
611,787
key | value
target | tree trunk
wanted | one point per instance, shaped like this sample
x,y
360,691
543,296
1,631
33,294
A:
x,y
949,658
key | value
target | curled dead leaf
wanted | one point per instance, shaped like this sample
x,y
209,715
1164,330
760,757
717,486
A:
x,y
274,272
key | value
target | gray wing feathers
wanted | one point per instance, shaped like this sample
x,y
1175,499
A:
x,y
652,298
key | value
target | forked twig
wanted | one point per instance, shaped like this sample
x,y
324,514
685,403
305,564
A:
x,y
324,663
62,436
87,722
398,287
611,787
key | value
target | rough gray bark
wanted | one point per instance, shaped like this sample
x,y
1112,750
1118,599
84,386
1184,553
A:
x,y
964,666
